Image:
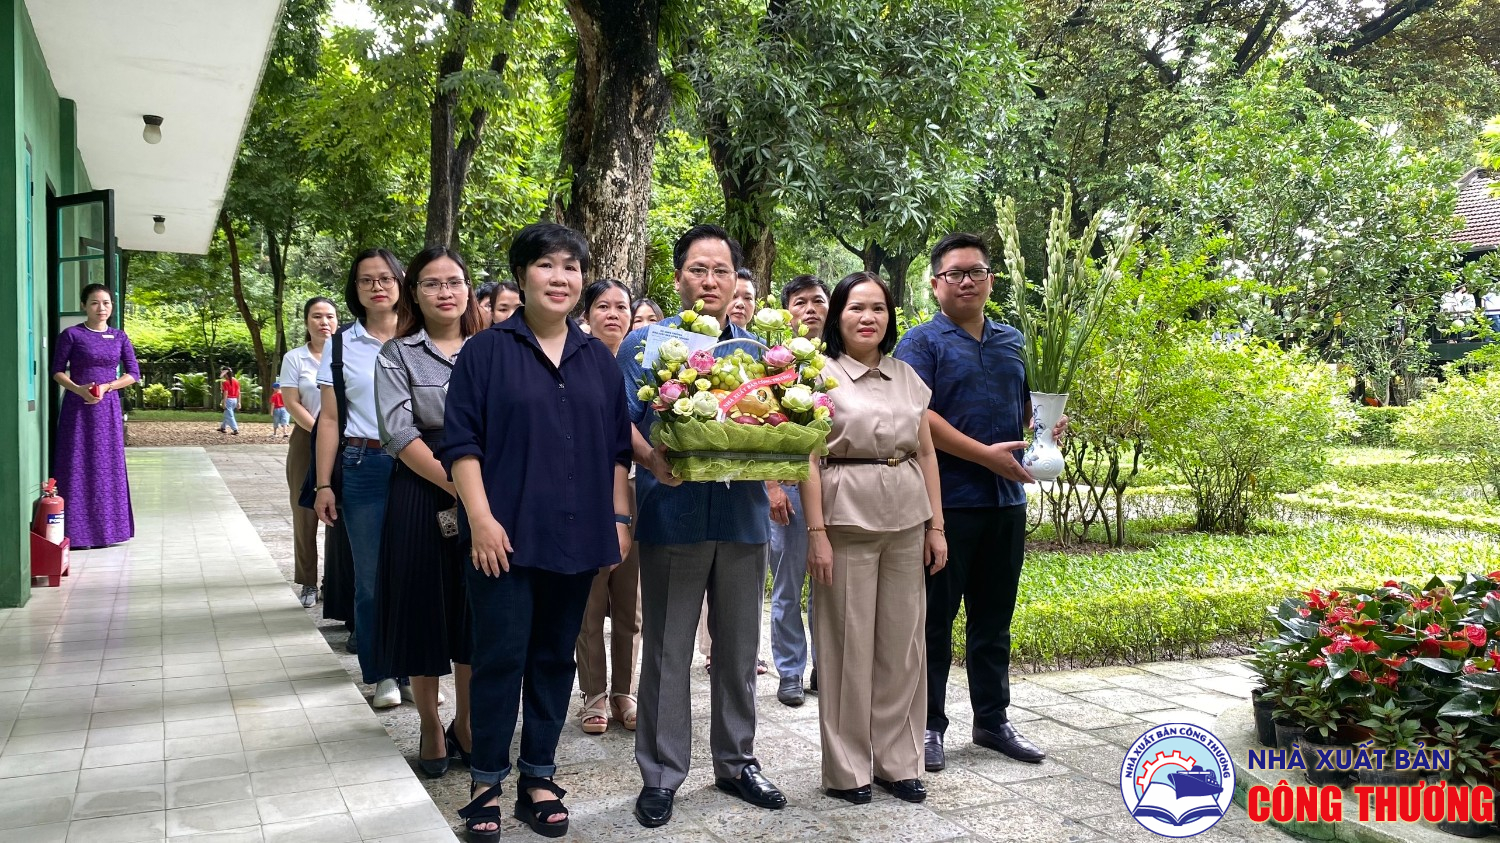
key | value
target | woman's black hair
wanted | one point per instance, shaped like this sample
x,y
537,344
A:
x,y
592,292
351,286
541,239
307,307
636,305
409,317
833,335
485,293
83,295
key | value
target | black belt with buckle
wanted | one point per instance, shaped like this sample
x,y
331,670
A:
x,y
892,462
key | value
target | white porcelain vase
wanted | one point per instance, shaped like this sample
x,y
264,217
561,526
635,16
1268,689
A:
x,y
1044,459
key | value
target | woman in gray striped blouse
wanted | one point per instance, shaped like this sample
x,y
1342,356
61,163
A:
x,y
424,627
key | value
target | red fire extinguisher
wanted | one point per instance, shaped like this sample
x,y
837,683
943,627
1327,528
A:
x,y
49,514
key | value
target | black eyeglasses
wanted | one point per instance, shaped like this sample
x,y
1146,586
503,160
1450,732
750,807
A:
x,y
957,276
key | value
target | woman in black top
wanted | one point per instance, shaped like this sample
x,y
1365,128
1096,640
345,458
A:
x,y
537,440
423,630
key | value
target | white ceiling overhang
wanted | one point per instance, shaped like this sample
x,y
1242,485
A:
x,y
195,63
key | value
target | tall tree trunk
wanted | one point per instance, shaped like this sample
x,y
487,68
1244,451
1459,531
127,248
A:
x,y
896,268
616,108
748,205
278,288
455,136
262,364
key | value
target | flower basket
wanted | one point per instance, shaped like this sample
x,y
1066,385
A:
x,y
710,450
726,414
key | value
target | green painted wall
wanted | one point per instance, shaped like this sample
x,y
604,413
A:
x,y
30,113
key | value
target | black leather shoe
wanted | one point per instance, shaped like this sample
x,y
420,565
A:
x,y
907,790
1010,743
812,681
753,787
854,795
790,691
653,808
934,759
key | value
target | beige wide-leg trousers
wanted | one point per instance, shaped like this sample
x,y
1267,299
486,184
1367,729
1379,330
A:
x,y
872,657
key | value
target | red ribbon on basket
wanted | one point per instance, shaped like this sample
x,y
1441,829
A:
x,y
727,402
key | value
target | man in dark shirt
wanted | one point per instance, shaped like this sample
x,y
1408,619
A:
x,y
696,538
980,403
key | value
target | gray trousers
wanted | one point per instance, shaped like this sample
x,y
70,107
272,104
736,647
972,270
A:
x,y
674,579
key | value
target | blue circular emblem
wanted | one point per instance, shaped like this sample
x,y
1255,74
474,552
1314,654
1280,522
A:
x,y
1177,780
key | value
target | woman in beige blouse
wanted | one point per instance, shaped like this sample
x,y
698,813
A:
x,y
875,518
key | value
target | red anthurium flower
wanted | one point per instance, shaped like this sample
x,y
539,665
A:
x,y
1493,595
1389,680
1360,605
1428,649
1317,662
1340,614
1434,629
1476,635
1359,676
1338,645
1392,584
1304,612
1495,575
1422,604
1327,631
1363,645
1394,662
1469,668
1458,645
1315,599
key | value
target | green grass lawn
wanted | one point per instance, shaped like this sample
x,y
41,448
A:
x,y
1174,592
206,416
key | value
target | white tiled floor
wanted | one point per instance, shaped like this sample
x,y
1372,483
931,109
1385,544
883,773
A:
x,y
173,688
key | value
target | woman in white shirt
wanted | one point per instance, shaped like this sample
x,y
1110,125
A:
x,y
371,292
299,379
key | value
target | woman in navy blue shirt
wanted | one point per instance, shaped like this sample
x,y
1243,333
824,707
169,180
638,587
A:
x,y
537,440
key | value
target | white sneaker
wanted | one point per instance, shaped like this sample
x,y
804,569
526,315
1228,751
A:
x,y
408,696
387,694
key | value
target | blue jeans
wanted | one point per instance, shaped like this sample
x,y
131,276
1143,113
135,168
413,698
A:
x,y
228,421
789,642
367,482
526,623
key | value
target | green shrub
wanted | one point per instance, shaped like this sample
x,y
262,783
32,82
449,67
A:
x,y
1244,421
156,395
1190,590
1459,423
194,387
1376,426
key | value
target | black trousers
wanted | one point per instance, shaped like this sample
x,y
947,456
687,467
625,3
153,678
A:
x,y
525,625
985,550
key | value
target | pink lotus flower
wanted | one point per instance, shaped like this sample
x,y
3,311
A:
x,y
777,358
671,391
702,360
822,400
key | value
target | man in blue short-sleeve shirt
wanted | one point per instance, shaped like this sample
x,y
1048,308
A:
x,y
696,539
980,405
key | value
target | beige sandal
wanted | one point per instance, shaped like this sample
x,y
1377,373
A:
x,y
594,717
624,713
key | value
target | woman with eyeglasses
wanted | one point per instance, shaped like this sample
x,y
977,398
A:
x,y
349,434
537,440
423,616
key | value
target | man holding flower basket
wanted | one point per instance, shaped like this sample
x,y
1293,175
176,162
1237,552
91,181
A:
x,y
712,406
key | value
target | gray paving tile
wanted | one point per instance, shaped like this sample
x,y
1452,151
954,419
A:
x,y
128,800
195,792
217,817
303,804
36,810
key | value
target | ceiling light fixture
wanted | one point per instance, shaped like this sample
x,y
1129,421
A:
x,y
152,132
161,224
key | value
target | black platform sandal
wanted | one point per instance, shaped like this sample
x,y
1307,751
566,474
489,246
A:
x,y
535,814
454,750
477,813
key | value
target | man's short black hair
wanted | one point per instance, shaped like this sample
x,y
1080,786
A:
x,y
485,293
800,283
541,239
958,240
705,231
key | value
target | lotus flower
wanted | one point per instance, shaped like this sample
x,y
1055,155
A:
x,y
802,348
672,352
701,360
683,407
769,319
798,399
671,391
706,325
778,358
821,400
705,405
